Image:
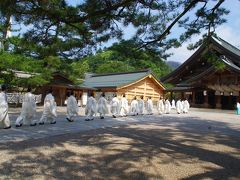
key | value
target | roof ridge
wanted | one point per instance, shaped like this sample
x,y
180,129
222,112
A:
x,y
118,73
220,39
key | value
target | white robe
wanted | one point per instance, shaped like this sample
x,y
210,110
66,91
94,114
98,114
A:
x,y
186,106
238,105
91,108
167,107
124,106
4,119
102,107
28,111
115,106
179,107
160,106
49,109
149,106
72,107
173,104
141,106
134,107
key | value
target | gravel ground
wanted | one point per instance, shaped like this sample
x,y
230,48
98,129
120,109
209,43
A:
x,y
200,145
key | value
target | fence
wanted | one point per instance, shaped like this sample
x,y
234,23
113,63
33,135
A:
x,y
17,98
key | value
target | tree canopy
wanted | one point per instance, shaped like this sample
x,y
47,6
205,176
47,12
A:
x,y
59,36
119,59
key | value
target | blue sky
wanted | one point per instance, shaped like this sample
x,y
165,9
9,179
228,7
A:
x,y
229,31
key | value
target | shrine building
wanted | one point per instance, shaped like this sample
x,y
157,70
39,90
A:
x,y
207,83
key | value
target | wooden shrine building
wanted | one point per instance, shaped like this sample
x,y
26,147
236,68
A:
x,y
205,85
140,83
60,85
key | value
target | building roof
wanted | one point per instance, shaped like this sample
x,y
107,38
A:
x,y
116,80
230,57
21,74
61,80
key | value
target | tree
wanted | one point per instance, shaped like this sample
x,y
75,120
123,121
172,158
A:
x,y
57,28
117,59
10,63
58,33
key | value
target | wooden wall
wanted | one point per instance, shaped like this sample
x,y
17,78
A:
x,y
146,87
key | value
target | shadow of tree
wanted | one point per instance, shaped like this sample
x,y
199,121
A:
x,y
147,150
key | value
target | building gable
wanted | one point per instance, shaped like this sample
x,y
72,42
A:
x,y
198,67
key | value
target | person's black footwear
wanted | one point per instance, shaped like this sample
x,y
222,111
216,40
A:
x,y
69,120
33,124
91,119
7,127
114,116
53,122
102,117
18,125
87,119
41,123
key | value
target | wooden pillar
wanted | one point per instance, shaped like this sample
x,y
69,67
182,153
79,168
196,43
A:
x,y
205,104
193,97
182,95
238,99
218,101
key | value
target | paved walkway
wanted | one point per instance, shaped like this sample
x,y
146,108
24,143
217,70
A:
x,y
201,119
203,144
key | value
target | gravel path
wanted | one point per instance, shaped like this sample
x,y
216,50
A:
x,y
198,145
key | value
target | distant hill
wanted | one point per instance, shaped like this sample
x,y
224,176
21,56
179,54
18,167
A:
x,y
173,64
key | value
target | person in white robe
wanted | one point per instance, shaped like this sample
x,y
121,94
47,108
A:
x,y
28,112
167,106
160,106
102,106
91,108
72,107
179,106
173,104
4,118
149,106
238,108
186,106
134,109
115,106
49,109
124,106
141,105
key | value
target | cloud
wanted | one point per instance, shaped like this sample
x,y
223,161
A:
x,y
229,34
225,32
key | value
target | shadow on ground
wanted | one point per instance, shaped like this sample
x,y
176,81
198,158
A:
x,y
149,150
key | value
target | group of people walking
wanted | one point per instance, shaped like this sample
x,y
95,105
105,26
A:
x,y
119,107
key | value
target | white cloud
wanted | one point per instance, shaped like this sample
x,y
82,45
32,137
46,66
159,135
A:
x,y
229,34
225,32
181,54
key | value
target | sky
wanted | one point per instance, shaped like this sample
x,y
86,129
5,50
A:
x,y
229,31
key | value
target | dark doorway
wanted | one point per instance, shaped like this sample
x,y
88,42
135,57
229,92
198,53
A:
x,y
199,97
211,99
228,102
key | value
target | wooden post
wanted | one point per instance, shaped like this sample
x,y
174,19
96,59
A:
x,y
193,97
218,101
205,104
